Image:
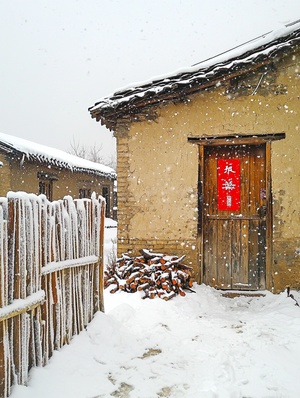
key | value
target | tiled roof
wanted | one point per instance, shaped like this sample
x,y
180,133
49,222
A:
x,y
204,74
53,157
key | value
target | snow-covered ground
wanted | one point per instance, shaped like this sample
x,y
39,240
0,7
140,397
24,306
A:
x,y
203,345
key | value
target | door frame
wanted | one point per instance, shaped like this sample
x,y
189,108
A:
x,y
237,140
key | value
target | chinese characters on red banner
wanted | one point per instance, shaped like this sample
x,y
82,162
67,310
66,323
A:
x,y
229,184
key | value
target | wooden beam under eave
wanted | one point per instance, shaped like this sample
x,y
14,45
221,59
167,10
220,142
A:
x,y
237,139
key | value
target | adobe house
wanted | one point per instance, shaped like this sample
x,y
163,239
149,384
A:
x,y
208,164
34,168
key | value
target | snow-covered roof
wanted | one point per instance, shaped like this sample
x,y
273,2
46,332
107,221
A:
x,y
185,81
52,156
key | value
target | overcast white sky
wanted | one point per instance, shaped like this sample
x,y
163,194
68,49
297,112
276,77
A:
x,y
59,57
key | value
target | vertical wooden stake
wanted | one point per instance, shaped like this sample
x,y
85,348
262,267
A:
x,y
101,258
3,378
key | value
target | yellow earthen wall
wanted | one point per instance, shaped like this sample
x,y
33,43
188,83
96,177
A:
x,y
5,177
158,167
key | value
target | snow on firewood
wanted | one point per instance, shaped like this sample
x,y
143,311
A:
x,y
155,274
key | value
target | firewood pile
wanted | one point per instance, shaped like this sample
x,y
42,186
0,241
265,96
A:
x,y
155,274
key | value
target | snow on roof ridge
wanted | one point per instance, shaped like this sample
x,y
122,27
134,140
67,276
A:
x,y
277,33
251,45
52,155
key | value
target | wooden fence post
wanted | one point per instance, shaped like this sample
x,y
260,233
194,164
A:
x,y
2,361
2,275
101,255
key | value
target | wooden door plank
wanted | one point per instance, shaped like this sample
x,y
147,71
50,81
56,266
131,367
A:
x,y
210,184
245,250
262,255
253,254
236,255
224,254
210,253
245,211
251,186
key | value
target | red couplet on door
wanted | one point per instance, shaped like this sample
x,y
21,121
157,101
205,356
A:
x,y
229,193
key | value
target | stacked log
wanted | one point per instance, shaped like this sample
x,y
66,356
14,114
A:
x,y
155,274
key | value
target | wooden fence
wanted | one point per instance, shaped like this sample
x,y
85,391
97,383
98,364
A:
x,y
50,278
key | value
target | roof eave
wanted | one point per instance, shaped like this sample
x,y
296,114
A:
x,y
109,115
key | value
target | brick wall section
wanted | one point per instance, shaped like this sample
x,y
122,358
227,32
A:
x,y
170,247
124,210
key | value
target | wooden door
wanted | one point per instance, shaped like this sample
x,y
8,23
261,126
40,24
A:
x,y
235,210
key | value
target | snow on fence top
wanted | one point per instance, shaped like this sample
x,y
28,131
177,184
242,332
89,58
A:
x,y
203,74
38,237
52,156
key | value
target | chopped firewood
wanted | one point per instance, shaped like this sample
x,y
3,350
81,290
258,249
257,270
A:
x,y
168,296
163,277
133,286
110,281
145,279
175,281
148,255
115,289
155,274
144,286
165,286
132,277
164,266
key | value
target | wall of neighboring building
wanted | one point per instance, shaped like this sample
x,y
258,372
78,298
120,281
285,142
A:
x,y
158,167
25,176
5,176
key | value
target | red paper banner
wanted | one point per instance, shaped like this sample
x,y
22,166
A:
x,y
229,196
